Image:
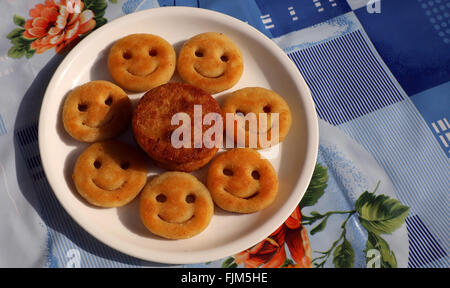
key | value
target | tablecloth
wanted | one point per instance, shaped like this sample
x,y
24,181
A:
x,y
379,73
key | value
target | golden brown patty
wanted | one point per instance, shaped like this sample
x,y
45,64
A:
x,y
176,205
153,130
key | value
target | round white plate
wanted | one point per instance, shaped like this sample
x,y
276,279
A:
x,y
265,65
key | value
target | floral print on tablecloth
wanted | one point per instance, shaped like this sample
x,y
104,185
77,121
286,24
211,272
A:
x,y
55,24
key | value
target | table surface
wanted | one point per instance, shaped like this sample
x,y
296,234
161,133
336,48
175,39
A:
x,y
379,74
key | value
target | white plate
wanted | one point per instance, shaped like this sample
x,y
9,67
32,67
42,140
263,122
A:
x,y
265,65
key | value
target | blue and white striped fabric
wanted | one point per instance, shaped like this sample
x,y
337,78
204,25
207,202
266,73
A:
x,y
378,76
346,78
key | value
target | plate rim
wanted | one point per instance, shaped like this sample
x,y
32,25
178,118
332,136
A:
x,y
312,141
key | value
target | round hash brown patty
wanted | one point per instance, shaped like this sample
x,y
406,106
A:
x,y
152,127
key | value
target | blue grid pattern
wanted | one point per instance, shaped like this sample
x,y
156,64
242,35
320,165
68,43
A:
x,y
438,12
345,78
284,16
349,74
417,65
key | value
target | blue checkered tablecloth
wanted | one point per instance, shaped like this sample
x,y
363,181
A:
x,y
379,73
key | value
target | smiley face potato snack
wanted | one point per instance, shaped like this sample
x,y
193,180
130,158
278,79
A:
x,y
140,62
110,174
210,61
96,111
175,205
241,181
172,124
259,101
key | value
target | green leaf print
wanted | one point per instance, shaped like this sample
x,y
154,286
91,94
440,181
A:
x,y
320,227
344,256
287,262
387,257
15,33
22,46
316,187
229,263
98,7
19,21
380,214
100,22
16,53
95,5
29,53
341,255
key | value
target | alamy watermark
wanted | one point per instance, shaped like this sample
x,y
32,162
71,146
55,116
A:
x,y
373,6
252,130
74,258
374,258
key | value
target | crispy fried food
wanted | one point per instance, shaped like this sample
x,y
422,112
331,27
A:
x,y
241,181
140,62
210,61
96,111
110,174
153,130
176,205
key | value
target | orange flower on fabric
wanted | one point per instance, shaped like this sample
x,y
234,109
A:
x,y
55,25
271,253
